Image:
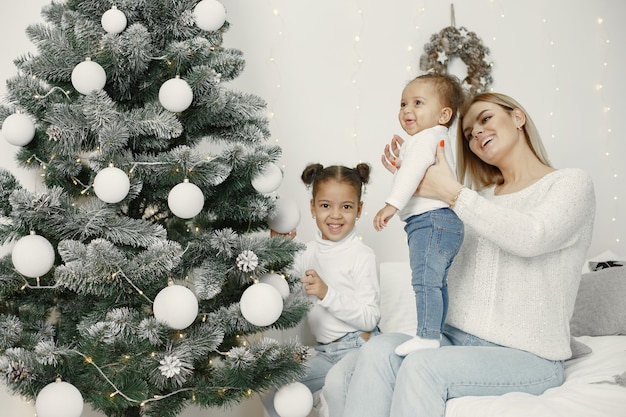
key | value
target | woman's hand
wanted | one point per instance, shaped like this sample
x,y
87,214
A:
x,y
314,285
391,155
439,181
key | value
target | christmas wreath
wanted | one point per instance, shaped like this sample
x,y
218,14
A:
x,y
452,42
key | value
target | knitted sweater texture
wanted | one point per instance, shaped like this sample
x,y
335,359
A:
x,y
515,279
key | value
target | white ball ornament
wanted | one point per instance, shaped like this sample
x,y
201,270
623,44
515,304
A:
x,y
33,256
286,217
175,95
209,15
268,179
114,21
111,185
185,200
261,304
18,129
293,400
59,399
277,281
176,306
88,76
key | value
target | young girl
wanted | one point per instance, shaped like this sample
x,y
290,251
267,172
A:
x,y
339,273
428,107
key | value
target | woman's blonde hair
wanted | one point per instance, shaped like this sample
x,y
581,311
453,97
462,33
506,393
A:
x,y
473,171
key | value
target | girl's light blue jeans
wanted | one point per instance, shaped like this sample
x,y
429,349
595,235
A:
x,y
384,384
328,369
434,239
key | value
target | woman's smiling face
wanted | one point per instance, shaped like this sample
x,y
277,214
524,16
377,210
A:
x,y
490,129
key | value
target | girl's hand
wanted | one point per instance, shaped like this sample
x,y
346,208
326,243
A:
x,y
314,285
383,216
290,235
439,181
391,154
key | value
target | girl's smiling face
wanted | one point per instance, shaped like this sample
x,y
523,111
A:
x,y
335,207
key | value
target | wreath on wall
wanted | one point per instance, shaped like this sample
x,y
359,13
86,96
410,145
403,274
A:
x,y
459,43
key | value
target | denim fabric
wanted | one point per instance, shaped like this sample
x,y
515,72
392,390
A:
x,y
336,359
418,385
434,239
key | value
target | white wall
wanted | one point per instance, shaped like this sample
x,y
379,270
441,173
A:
x,y
334,98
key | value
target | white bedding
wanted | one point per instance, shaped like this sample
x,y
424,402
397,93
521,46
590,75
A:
x,y
589,390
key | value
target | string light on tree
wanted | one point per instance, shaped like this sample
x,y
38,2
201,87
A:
x,y
88,76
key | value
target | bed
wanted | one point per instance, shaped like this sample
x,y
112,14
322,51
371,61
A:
x,y
595,382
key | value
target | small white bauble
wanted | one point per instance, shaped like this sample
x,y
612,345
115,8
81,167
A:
x,y
268,179
286,216
261,304
18,129
293,400
111,185
185,200
210,15
33,256
277,281
88,76
176,306
175,95
114,21
59,399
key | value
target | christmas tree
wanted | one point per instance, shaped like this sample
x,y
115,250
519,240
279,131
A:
x,y
143,272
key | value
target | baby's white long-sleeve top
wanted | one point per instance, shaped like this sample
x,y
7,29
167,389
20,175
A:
x,y
417,154
349,269
515,279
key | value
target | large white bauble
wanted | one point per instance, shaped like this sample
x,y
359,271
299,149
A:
x,y
210,15
18,129
268,179
33,256
176,306
59,399
185,200
175,95
114,20
277,281
286,216
293,400
261,304
111,185
88,76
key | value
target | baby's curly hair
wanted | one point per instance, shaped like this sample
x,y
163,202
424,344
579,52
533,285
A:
x,y
450,91
315,174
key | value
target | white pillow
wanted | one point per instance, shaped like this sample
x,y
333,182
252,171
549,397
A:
x,y
398,313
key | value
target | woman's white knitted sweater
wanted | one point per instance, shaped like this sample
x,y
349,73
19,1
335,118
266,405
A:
x,y
515,279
